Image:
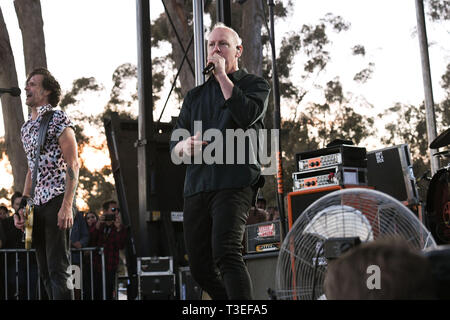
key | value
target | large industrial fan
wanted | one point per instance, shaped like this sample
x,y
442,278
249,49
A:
x,y
335,223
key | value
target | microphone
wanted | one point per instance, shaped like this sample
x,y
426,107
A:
x,y
209,68
14,91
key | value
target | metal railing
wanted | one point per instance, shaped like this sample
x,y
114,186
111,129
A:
x,y
20,275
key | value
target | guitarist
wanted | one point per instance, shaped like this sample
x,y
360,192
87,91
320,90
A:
x,y
57,179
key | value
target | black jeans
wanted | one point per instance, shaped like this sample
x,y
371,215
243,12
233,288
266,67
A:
x,y
52,250
214,225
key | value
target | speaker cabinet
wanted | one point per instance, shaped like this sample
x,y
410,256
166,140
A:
x,y
262,269
298,201
157,287
389,170
165,188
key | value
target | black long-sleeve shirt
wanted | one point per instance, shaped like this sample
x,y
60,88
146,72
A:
x,y
245,110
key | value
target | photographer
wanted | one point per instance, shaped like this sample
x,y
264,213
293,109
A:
x,y
110,234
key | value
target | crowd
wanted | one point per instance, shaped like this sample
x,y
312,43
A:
x,y
261,213
18,268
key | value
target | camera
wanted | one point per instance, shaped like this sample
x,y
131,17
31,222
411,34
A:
x,y
110,217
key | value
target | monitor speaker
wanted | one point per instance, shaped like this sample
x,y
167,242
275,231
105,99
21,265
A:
x,y
165,188
262,269
298,201
389,170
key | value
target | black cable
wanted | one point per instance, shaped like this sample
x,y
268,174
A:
x,y
175,80
178,37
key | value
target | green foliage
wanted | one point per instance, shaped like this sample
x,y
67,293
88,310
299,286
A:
x,y
79,86
4,194
439,10
121,77
98,189
364,75
359,50
95,187
317,123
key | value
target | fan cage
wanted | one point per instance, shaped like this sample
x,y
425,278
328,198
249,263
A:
x,y
365,213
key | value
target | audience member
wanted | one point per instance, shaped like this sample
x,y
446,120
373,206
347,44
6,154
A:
x,y
4,212
14,239
2,263
91,219
2,236
382,269
79,238
273,214
439,259
256,215
110,234
16,199
261,203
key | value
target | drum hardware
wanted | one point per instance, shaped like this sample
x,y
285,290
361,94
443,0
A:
x,y
441,140
444,154
438,206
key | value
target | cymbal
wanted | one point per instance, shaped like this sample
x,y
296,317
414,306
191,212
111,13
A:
x,y
442,153
441,140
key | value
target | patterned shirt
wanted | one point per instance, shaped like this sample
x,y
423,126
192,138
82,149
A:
x,y
51,176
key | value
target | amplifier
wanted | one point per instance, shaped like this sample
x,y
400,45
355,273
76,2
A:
x,y
327,177
299,201
154,265
344,155
389,170
263,237
157,287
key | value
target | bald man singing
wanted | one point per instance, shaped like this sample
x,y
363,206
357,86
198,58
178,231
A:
x,y
219,192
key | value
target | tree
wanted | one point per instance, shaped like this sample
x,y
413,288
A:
x,y
248,19
313,124
408,124
29,15
12,110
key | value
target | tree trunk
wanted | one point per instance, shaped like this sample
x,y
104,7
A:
x,y
179,12
252,20
12,110
29,16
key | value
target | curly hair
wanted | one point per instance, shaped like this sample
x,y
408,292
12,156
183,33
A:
x,y
48,83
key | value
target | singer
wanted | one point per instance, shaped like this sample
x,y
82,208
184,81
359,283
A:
x,y
217,196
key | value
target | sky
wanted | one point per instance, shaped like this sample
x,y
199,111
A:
x,y
93,37
90,38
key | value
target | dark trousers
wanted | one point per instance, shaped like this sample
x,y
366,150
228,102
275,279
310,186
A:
x,y
110,285
52,250
214,225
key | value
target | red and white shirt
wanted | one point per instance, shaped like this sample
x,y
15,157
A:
x,y
51,176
